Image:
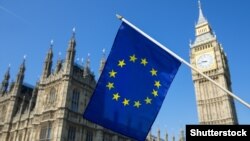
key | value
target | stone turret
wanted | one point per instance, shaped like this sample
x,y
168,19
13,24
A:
x,y
102,62
20,75
59,64
5,82
166,137
158,135
173,139
182,136
48,62
19,79
87,67
70,57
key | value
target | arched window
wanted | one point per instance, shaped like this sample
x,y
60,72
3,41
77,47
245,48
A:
x,y
75,100
52,96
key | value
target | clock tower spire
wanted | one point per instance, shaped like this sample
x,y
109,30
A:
x,y
206,53
201,19
203,30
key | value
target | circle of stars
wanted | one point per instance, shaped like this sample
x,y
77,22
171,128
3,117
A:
x,y
125,101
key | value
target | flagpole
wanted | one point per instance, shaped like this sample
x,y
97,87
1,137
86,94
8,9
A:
x,y
182,60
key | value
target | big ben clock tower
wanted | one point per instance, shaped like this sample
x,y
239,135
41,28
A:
x,y
206,53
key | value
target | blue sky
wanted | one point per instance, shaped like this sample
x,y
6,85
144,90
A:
x,y
27,27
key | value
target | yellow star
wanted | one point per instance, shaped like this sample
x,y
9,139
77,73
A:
x,y
116,96
148,100
153,72
144,61
112,73
132,58
125,102
157,84
110,85
137,104
121,63
155,93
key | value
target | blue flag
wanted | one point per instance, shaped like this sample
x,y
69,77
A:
x,y
132,86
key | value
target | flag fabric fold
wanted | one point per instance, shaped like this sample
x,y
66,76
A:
x,y
132,86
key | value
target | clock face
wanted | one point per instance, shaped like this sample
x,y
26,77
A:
x,y
205,61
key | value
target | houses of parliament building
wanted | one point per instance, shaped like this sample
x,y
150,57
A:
x,y
52,109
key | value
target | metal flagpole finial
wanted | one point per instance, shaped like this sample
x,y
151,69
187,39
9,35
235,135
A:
x,y
119,16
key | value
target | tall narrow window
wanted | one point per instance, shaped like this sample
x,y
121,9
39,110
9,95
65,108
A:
x,y
52,96
75,100
71,133
3,112
89,135
45,133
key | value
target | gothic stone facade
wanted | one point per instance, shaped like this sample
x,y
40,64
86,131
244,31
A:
x,y
206,53
151,137
52,110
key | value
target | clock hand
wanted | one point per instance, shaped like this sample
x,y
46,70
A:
x,y
202,62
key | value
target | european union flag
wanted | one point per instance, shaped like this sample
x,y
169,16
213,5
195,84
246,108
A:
x,y
132,86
